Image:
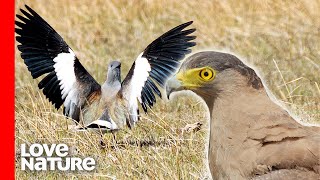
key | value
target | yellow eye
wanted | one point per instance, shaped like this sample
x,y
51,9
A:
x,y
207,74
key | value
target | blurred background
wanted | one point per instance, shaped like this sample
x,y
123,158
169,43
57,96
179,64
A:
x,y
279,39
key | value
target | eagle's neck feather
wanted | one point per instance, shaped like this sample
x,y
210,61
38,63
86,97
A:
x,y
244,120
232,114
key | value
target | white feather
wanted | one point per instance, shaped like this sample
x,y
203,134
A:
x,y
71,99
139,78
104,123
64,68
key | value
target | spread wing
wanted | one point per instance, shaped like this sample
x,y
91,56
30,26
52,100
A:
x,y
154,65
45,52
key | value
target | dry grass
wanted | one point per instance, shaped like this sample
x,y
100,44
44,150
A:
x,y
281,39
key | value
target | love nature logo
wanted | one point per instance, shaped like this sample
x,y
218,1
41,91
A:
x,y
43,157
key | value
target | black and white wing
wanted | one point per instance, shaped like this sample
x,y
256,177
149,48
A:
x,y
45,52
154,65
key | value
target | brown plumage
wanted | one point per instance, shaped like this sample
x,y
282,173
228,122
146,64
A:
x,y
251,136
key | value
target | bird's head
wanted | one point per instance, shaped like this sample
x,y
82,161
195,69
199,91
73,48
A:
x,y
114,72
210,73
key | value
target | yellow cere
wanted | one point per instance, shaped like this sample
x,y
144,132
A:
x,y
196,77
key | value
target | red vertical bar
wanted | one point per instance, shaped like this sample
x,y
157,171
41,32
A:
x,y
7,164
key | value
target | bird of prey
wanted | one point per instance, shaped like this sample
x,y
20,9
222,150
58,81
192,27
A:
x,y
112,105
251,136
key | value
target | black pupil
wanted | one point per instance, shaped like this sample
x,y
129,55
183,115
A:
x,y
206,74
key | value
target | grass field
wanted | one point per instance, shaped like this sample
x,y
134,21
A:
x,y
280,39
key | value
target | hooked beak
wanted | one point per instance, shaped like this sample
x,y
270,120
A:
x,y
173,84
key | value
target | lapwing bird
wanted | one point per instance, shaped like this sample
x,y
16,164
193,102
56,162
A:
x,y
114,104
251,136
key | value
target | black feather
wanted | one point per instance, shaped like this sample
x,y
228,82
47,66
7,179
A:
x,y
169,64
153,87
164,55
155,75
180,34
39,45
143,99
146,96
167,69
149,93
149,96
51,89
41,64
46,79
38,71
